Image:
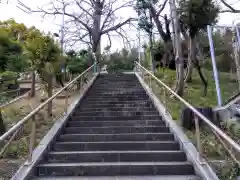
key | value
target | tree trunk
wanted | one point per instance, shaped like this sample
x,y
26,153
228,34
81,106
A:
x,y
50,93
78,85
191,58
2,125
151,46
158,23
98,52
33,84
96,30
237,59
179,58
173,27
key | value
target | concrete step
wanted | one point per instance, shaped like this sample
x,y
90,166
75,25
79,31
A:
x,y
92,92
116,137
122,80
115,156
116,146
116,98
115,113
117,101
117,105
173,177
137,109
114,93
119,95
115,118
117,81
115,123
115,90
113,87
116,129
115,169
116,76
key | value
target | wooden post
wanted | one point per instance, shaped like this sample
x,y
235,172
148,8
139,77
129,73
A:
x,y
2,125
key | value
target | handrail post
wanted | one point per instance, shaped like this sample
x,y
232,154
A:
x,y
165,100
18,91
198,138
66,101
9,142
150,81
32,140
81,82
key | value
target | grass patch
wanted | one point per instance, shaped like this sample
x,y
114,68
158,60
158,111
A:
x,y
17,152
193,93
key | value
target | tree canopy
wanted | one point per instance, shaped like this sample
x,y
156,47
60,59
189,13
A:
x,y
197,14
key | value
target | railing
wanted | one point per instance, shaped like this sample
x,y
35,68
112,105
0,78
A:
x,y
17,91
224,139
10,91
18,98
10,135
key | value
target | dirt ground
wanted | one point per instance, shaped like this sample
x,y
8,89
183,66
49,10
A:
x,y
18,150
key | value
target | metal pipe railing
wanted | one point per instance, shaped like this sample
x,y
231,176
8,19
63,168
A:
x,y
196,112
12,131
10,91
17,99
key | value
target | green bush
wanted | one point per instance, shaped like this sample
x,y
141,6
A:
x,y
122,61
8,79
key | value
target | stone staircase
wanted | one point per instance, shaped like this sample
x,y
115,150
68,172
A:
x,y
115,133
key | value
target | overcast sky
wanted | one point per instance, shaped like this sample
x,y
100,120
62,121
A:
x,y
11,11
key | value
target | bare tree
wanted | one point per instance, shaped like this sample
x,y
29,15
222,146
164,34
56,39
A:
x,y
229,7
88,20
155,11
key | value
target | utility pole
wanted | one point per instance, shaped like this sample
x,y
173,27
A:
x,y
62,39
139,41
236,45
179,57
139,46
151,43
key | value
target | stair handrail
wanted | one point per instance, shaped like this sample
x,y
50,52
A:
x,y
10,91
14,130
18,98
217,131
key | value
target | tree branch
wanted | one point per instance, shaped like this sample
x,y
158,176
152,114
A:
x,y
111,12
81,7
158,23
56,12
124,37
109,38
231,9
114,28
162,8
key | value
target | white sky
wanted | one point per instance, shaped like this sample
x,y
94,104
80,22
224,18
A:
x,y
11,11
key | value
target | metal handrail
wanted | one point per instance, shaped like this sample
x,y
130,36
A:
x,y
41,106
5,92
200,115
17,99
